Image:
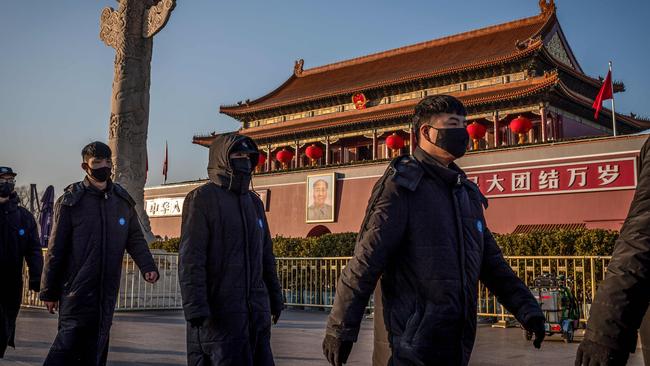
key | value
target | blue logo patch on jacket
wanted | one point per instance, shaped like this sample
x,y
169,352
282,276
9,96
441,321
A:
x,y
21,232
479,225
122,221
260,223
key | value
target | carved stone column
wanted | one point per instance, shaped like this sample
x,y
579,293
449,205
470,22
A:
x,y
130,30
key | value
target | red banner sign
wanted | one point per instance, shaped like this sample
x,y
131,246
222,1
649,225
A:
x,y
587,176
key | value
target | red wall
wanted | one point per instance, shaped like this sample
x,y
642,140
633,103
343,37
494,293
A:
x,y
606,209
286,209
286,215
599,209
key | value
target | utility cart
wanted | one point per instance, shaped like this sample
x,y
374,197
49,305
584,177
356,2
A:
x,y
558,304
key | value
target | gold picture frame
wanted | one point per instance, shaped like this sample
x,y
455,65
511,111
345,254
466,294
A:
x,y
320,201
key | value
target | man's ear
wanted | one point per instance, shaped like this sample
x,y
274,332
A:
x,y
84,166
424,133
424,129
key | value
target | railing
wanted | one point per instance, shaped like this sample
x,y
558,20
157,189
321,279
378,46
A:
x,y
583,273
311,282
135,293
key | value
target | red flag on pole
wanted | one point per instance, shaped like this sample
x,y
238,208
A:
x,y
166,163
605,93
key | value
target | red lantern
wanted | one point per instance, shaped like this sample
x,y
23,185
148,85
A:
x,y
261,160
284,156
476,132
395,141
521,126
314,152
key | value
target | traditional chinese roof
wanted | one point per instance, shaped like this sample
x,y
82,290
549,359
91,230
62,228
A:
x,y
465,51
471,98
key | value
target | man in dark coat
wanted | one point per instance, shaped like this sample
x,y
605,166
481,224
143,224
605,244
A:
x,y
94,223
227,269
19,242
425,235
622,298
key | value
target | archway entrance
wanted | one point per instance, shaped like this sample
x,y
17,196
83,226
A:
x,y
318,230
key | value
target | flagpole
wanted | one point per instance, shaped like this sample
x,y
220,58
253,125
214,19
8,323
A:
x,y
611,80
166,170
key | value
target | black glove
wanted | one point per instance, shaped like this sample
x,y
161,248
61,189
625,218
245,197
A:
x,y
275,316
197,322
276,308
35,285
594,354
535,325
336,351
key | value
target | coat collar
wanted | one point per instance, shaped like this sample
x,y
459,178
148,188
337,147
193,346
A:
x,y
11,205
452,175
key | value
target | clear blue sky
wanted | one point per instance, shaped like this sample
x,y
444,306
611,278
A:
x,y
55,73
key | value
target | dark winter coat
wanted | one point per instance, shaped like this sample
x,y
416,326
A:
x,y
19,242
227,269
622,298
91,231
424,233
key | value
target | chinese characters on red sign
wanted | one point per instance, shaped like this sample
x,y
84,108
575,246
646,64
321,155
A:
x,y
588,176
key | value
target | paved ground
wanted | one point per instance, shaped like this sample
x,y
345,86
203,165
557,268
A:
x,y
158,338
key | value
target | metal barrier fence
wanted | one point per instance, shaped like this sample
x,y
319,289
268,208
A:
x,y
135,293
583,274
311,282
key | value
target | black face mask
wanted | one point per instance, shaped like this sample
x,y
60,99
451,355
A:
x,y
241,165
240,179
6,189
100,174
452,140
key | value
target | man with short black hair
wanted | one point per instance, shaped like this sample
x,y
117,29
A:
x,y
425,235
95,222
19,242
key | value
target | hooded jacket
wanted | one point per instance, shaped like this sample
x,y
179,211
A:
x,y
83,268
227,269
425,235
19,242
622,298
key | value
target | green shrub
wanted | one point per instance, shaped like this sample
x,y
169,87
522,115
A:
x,y
333,245
169,245
292,247
597,242
558,243
328,245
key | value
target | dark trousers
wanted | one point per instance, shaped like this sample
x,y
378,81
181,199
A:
x,y
77,346
644,333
